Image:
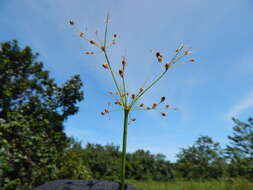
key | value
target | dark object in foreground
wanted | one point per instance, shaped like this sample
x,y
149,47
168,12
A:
x,y
82,185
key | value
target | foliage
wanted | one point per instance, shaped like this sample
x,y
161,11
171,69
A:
x,y
103,161
72,166
203,160
240,150
32,111
142,165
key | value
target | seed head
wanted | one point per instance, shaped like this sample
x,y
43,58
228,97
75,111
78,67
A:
x,y
106,66
106,111
92,42
124,61
102,113
141,105
102,48
148,108
154,106
89,52
133,119
110,92
162,99
160,59
121,73
141,89
167,106
115,35
118,102
71,22
163,114
81,34
192,60
167,66
133,96
158,54
187,52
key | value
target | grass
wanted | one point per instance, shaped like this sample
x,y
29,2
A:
x,y
237,184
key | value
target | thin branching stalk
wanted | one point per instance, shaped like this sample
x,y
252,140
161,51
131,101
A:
x,y
128,105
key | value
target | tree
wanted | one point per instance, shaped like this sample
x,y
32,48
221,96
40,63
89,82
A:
x,y
142,165
202,160
240,150
103,161
32,110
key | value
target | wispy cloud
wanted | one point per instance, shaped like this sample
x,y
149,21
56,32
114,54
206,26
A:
x,y
245,103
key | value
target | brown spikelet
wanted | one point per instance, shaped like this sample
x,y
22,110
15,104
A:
x,y
115,35
163,114
158,54
154,106
141,89
162,99
141,105
133,96
81,34
106,111
121,73
71,22
89,52
118,102
192,60
102,113
167,106
110,92
160,59
106,66
124,62
133,119
167,66
102,48
92,42
187,52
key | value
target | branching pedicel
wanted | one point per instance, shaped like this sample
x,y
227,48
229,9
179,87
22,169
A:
x,y
128,102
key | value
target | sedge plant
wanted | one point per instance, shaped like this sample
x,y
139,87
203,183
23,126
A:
x,y
129,102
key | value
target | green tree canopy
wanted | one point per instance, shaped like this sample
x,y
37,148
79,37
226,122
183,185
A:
x,y
32,111
241,142
201,160
240,150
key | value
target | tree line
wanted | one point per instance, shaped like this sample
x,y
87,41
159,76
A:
x,y
34,148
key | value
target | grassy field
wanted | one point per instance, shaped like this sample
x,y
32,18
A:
x,y
238,184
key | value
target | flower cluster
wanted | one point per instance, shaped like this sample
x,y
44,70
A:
x,y
124,99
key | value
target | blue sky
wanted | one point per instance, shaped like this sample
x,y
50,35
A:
x,y
208,92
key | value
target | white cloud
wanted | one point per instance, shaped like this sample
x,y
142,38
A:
x,y
245,103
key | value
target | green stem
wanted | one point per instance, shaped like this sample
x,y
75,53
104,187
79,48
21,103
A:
x,y
124,143
113,77
152,84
